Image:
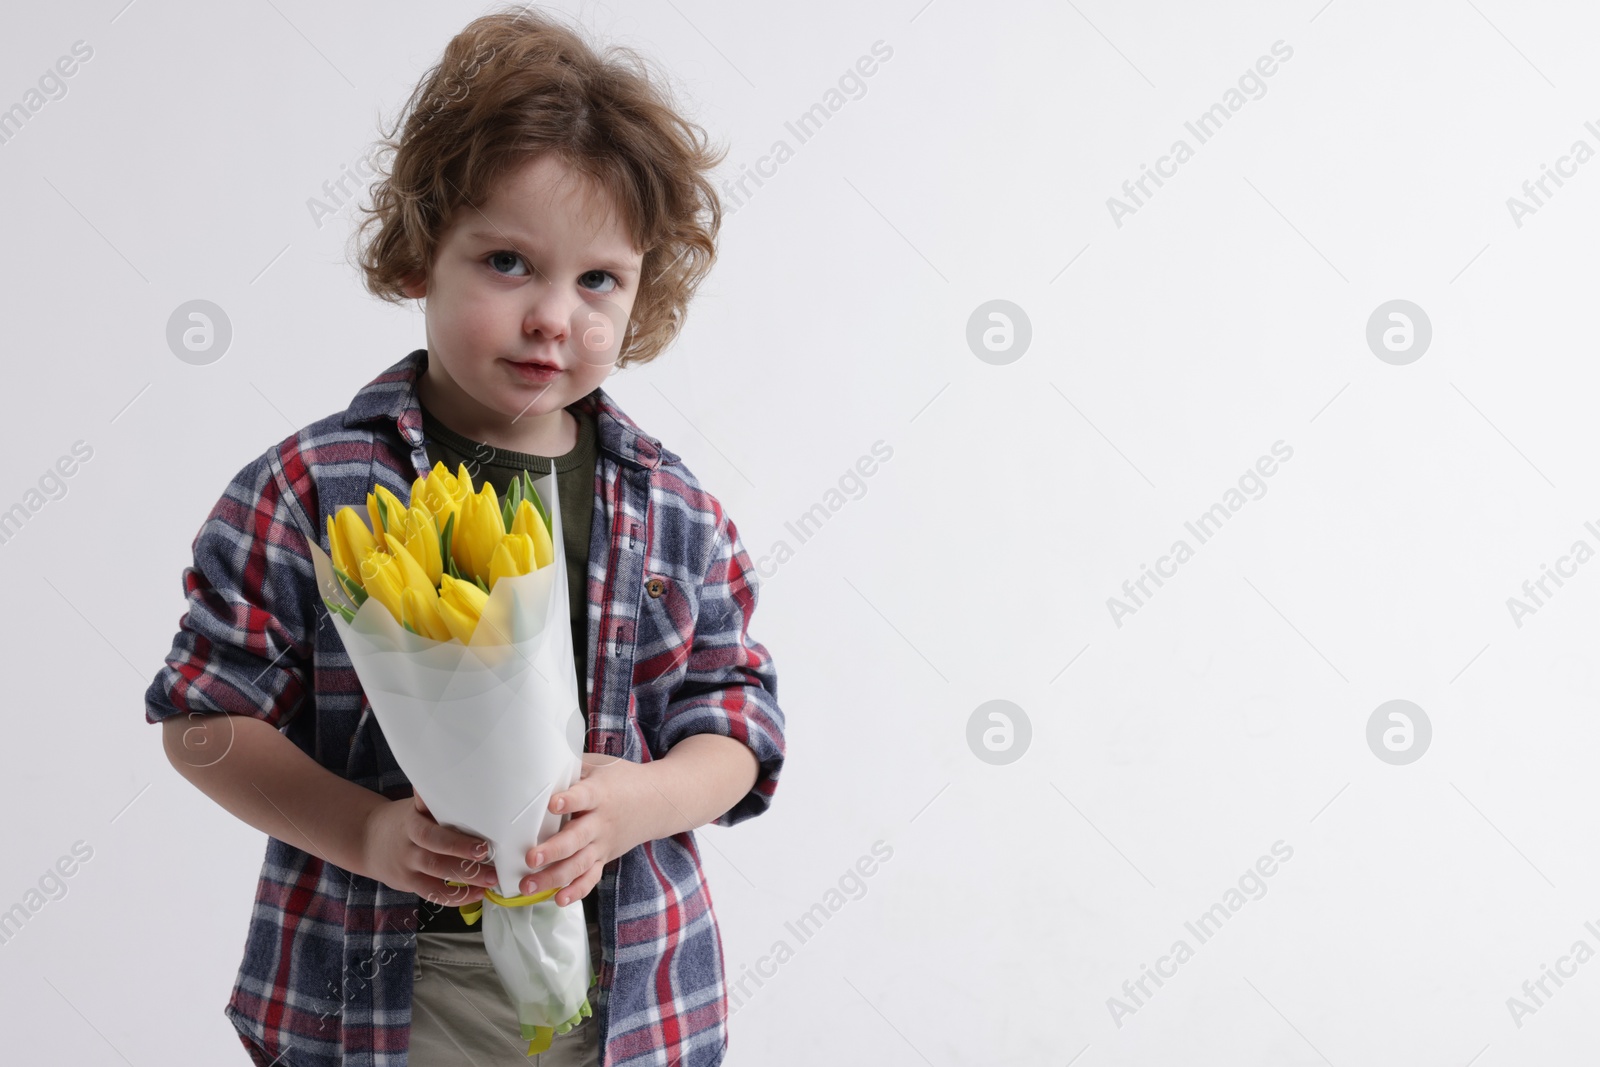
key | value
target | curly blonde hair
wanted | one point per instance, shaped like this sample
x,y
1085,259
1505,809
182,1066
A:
x,y
513,86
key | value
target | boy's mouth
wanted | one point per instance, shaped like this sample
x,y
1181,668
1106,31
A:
x,y
534,370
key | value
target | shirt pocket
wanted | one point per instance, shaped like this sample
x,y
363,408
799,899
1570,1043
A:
x,y
666,624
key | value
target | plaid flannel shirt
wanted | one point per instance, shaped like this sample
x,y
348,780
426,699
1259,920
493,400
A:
x,y
326,974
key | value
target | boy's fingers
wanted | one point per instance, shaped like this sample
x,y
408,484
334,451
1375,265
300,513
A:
x,y
461,870
544,853
569,872
455,869
578,797
448,842
557,846
581,885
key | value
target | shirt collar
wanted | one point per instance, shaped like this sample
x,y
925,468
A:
x,y
391,397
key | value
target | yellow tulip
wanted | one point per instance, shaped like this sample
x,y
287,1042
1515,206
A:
x,y
336,549
348,540
411,573
354,541
440,493
421,613
461,604
382,577
527,521
395,509
421,539
513,556
479,528
442,514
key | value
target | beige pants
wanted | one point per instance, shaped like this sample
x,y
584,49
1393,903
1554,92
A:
x,y
460,1016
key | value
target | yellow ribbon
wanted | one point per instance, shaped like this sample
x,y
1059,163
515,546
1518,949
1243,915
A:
x,y
471,913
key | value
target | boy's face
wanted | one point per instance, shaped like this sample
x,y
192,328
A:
x,y
543,271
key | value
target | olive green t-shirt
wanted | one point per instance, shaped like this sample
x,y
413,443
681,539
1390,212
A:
x,y
575,473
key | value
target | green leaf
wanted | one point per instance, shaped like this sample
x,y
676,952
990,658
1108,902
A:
x,y
344,612
408,626
383,513
351,586
481,583
445,537
538,504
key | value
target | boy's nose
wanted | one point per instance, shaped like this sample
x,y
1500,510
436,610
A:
x,y
549,316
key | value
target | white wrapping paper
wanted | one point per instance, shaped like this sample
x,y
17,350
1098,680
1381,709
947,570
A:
x,y
482,732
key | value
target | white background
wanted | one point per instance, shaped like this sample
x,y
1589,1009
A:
x,y
1229,312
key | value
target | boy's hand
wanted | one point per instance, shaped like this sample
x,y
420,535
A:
x,y
405,848
606,804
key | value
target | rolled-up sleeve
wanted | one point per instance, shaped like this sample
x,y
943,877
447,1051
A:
x,y
730,686
243,646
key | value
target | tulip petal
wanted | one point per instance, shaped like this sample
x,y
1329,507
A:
x,y
461,539
376,518
422,541
460,625
461,604
354,541
380,574
422,610
411,572
391,510
334,548
512,557
479,531
491,513
529,524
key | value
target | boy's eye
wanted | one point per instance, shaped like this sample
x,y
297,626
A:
x,y
599,277
496,258
503,262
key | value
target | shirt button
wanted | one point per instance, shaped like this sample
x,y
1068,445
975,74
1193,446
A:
x,y
655,586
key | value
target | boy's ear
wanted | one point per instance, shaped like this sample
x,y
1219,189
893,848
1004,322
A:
x,y
415,286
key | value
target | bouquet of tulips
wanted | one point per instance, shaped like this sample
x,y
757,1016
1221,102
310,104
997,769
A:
x,y
434,563
454,611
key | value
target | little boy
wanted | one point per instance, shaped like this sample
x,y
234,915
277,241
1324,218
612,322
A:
x,y
552,213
